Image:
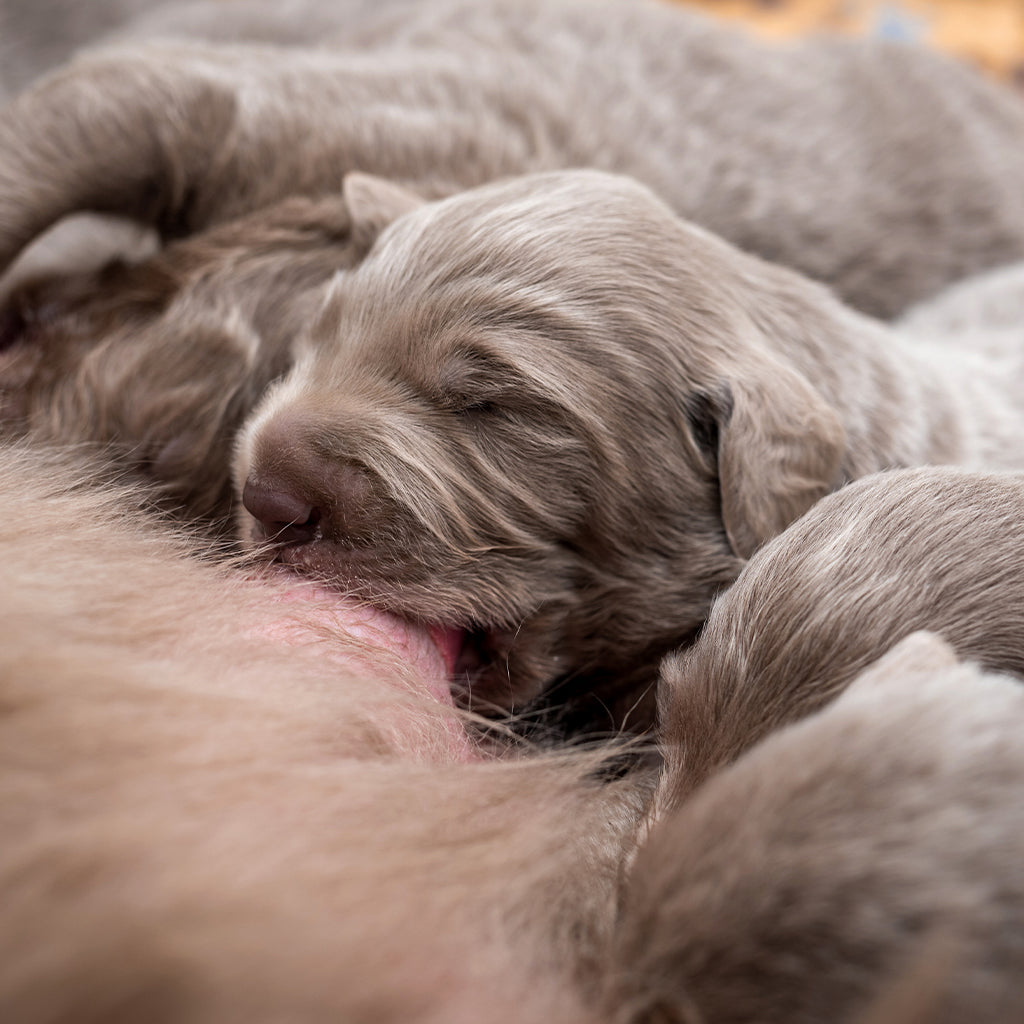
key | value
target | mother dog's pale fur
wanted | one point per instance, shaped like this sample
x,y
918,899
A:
x,y
553,414
200,824
203,823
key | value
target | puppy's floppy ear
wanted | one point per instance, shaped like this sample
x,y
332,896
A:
x,y
908,664
373,203
779,448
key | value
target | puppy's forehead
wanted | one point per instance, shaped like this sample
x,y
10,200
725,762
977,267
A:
x,y
535,252
535,229
579,273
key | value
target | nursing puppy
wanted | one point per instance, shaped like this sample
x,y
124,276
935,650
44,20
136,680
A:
x,y
930,548
862,865
550,414
798,153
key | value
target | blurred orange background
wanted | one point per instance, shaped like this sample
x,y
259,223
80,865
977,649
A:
x,y
987,32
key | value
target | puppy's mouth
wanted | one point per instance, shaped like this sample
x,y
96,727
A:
x,y
477,656
477,659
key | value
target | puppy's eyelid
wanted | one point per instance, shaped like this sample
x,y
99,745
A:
x,y
472,383
479,407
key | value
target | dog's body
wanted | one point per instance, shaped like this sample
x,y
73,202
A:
x,y
920,549
784,888
930,548
206,818
798,153
215,807
552,413
35,38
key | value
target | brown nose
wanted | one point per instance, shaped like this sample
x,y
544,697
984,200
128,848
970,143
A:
x,y
284,517
298,494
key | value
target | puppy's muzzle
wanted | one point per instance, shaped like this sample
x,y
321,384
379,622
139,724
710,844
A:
x,y
281,515
298,496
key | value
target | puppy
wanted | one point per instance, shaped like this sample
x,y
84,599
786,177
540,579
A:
x,y
158,361
798,153
935,549
862,865
554,416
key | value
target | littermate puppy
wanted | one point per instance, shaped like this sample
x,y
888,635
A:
x,y
553,417
159,361
800,153
932,548
861,865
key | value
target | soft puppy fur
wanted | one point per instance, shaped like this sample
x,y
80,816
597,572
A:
x,y
799,153
552,414
787,887
202,824
928,548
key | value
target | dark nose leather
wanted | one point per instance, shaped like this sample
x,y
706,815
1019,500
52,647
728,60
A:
x,y
283,516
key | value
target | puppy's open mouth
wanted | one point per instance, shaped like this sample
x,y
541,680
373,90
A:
x,y
477,662
477,656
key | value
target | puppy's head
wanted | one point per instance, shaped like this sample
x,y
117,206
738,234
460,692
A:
x,y
537,416
159,360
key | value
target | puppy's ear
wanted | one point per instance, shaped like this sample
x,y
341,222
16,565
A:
x,y
373,203
780,448
916,658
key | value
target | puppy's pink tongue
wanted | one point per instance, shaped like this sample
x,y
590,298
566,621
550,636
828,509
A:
x,y
410,656
449,641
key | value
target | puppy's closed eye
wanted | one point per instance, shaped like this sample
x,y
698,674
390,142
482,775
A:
x,y
12,327
473,383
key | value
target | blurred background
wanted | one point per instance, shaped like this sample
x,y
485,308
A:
x,y
989,33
